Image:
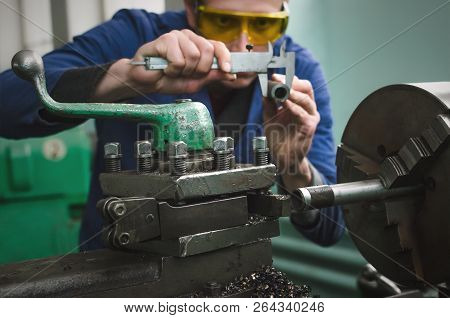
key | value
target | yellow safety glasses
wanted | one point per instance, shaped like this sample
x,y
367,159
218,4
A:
x,y
227,26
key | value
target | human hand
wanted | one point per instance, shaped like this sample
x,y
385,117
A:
x,y
290,130
190,57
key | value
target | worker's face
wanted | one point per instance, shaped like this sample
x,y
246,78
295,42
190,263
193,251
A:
x,y
238,44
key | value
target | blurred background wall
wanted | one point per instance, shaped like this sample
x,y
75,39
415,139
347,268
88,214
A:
x,y
364,45
361,44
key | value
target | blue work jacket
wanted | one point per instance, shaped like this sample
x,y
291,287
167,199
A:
x,y
121,37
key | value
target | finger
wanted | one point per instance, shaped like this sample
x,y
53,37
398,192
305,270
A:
x,y
206,49
295,109
190,52
223,55
160,47
303,86
304,101
306,121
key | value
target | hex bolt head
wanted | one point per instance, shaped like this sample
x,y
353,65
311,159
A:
x,y
143,152
124,238
230,144
178,149
260,144
119,209
178,154
220,145
261,151
149,218
221,151
143,149
231,156
113,155
112,150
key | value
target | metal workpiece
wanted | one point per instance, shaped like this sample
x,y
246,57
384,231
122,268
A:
x,y
188,121
143,153
323,196
200,243
278,92
113,157
200,185
398,135
107,273
222,153
261,151
178,154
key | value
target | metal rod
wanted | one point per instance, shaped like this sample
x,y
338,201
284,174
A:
x,y
279,92
345,193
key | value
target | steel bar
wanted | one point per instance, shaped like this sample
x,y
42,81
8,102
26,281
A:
x,y
345,193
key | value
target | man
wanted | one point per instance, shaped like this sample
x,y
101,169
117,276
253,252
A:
x,y
96,67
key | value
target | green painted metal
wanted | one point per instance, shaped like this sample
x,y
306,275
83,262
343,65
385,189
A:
x,y
44,184
187,121
330,271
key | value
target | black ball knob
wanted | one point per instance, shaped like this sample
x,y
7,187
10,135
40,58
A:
x,y
28,65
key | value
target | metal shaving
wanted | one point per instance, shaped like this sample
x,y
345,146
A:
x,y
264,283
267,283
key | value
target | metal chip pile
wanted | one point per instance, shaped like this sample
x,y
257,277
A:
x,y
267,283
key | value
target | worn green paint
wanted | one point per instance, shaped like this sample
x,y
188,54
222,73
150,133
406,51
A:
x,y
185,121
188,121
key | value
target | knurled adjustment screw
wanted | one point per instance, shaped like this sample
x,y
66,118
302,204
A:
x,y
178,154
113,156
144,156
261,151
221,153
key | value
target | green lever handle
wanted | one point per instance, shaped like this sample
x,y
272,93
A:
x,y
188,121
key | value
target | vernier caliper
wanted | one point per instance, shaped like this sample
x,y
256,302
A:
x,y
243,62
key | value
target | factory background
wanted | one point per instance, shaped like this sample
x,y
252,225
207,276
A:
x,y
361,44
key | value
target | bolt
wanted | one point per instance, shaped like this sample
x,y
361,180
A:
x,y
150,218
118,209
143,153
231,156
183,100
261,151
221,152
178,154
124,238
113,155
